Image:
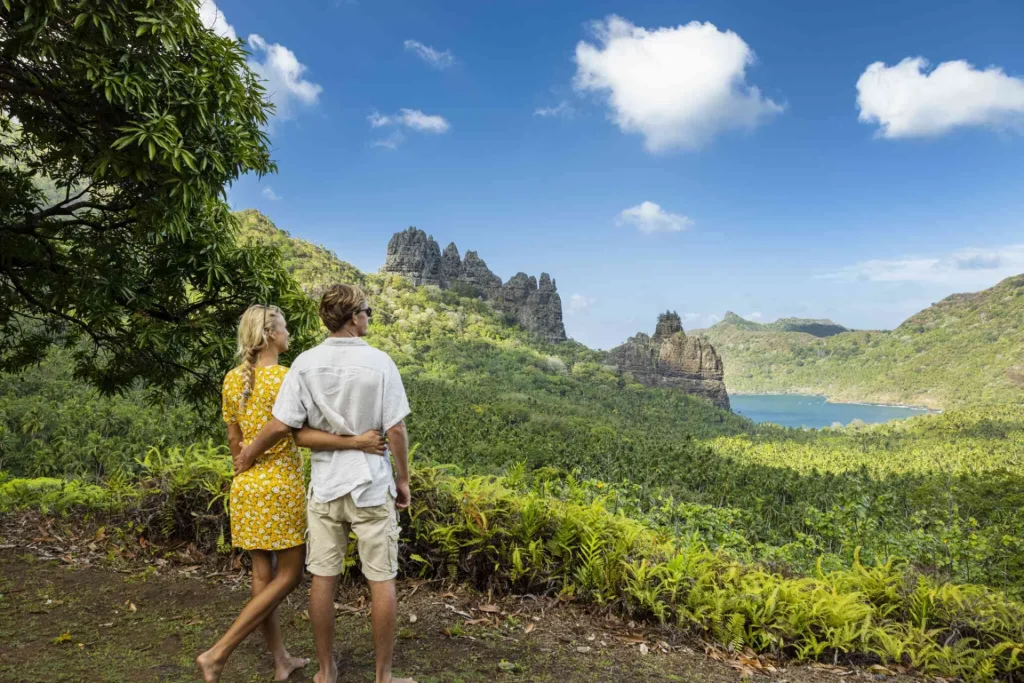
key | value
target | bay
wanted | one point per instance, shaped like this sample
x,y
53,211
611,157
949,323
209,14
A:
x,y
794,410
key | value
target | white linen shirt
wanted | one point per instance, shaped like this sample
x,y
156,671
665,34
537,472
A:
x,y
345,386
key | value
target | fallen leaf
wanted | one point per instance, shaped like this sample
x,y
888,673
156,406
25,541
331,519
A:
x,y
459,612
529,627
477,622
490,609
132,607
632,640
644,649
584,649
413,618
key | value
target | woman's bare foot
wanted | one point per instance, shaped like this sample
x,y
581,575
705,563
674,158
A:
x,y
210,667
286,665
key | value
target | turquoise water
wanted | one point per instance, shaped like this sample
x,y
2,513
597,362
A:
x,y
813,411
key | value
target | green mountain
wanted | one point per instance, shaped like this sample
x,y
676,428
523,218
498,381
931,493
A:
x,y
313,266
815,328
967,349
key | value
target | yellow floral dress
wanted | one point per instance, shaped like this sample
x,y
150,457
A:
x,y
268,503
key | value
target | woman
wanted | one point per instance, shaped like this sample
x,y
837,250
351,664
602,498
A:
x,y
267,501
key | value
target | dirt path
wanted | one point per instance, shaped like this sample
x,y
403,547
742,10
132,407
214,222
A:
x,y
62,623
80,604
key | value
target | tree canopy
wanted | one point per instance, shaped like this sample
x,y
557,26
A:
x,y
121,122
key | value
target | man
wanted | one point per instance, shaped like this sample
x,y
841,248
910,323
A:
x,y
345,386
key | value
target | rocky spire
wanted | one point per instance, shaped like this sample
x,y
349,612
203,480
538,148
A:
x,y
534,305
672,359
669,323
415,255
451,264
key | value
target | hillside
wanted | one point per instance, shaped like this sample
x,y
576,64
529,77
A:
x,y
967,349
313,266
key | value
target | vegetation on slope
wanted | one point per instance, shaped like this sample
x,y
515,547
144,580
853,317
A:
x,y
935,497
967,349
549,534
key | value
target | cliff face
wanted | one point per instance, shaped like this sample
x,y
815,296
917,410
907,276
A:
x,y
672,359
533,304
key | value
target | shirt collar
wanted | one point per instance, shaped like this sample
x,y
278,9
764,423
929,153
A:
x,y
345,341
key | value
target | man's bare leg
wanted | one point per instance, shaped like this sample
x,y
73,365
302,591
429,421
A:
x,y
385,606
321,614
263,571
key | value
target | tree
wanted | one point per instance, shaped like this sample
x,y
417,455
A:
x,y
121,121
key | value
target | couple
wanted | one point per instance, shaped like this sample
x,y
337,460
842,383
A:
x,y
341,387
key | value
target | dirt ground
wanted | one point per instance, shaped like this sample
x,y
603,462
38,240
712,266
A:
x,y
70,612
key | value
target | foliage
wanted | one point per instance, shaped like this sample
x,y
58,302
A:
x,y
313,267
54,425
121,121
547,532
940,492
966,350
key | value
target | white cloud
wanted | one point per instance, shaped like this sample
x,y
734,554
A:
x,y
282,72
678,87
278,66
965,267
753,316
392,141
436,59
648,217
269,193
690,317
578,302
417,120
411,118
562,110
214,19
907,102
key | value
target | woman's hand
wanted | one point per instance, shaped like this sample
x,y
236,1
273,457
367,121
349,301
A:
x,y
243,460
371,442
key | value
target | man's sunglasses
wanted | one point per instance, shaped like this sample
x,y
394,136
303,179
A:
x,y
368,311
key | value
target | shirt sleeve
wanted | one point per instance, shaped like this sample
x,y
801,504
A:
x,y
229,399
396,403
293,401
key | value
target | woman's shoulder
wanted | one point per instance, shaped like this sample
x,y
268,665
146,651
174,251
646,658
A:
x,y
233,375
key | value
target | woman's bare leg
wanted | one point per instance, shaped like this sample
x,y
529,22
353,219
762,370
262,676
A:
x,y
284,581
263,572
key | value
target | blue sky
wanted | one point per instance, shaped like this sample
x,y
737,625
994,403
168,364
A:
x,y
773,159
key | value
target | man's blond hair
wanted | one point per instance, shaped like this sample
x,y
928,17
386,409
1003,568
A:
x,y
339,303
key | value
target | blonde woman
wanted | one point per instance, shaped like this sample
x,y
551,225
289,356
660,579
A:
x,y
268,510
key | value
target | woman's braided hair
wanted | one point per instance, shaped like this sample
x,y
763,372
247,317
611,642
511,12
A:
x,y
254,330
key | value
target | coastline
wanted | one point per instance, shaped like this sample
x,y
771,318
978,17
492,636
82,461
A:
x,y
925,410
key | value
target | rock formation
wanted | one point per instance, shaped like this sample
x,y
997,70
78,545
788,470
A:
x,y
671,359
531,303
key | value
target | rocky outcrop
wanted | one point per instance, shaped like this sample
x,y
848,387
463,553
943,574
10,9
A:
x,y
415,255
671,359
533,304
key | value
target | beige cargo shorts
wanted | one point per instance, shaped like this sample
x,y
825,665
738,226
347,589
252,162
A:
x,y
376,529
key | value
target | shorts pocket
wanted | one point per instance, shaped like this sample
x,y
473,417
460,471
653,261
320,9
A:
x,y
393,548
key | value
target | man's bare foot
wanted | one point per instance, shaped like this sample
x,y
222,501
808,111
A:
x,y
210,667
328,676
284,668
402,680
